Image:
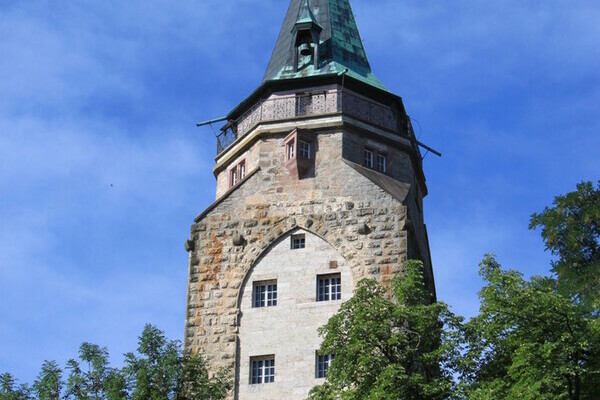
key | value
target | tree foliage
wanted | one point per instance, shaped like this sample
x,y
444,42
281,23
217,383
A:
x,y
390,347
533,339
95,380
152,373
157,371
10,391
49,383
195,382
528,342
571,231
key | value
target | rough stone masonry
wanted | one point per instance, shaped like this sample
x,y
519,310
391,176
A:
x,y
364,223
320,184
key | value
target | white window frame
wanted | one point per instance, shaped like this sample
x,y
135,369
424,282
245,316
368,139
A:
x,y
369,157
264,294
329,287
290,149
242,169
298,242
304,149
234,177
323,362
262,370
381,162
237,173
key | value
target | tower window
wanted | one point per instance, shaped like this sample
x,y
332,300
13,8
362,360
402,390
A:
x,y
291,150
323,364
237,173
264,294
300,153
369,158
298,242
262,370
375,160
242,169
329,287
381,159
234,177
304,149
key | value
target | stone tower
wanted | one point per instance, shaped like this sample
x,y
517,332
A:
x,y
319,184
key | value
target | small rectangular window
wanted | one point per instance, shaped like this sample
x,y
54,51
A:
x,y
264,294
304,149
329,287
381,159
234,177
290,150
262,370
242,169
323,364
368,158
298,242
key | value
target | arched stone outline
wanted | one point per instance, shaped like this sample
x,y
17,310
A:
x,y
228,265
261,249
277,233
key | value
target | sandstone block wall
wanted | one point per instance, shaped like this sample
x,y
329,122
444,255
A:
x,y
287,330
232,237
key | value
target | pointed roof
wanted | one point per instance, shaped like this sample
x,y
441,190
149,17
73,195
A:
x,y
341,46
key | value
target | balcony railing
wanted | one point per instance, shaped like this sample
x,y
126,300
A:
x,y
312,104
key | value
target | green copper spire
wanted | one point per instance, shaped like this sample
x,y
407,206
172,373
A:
x,y
340,46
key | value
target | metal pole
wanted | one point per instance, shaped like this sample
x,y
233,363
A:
x,y
423,145
211,121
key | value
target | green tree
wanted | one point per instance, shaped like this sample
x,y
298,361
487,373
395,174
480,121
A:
x,y
529,342
195,382
48,384
571,231
115,387
76,384
154,372
157,372
390,344
10,391
97,381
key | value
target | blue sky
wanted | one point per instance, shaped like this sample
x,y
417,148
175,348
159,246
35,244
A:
x,y
102,169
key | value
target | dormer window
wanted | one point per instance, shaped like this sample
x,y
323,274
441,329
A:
x,y
306,33
300,153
